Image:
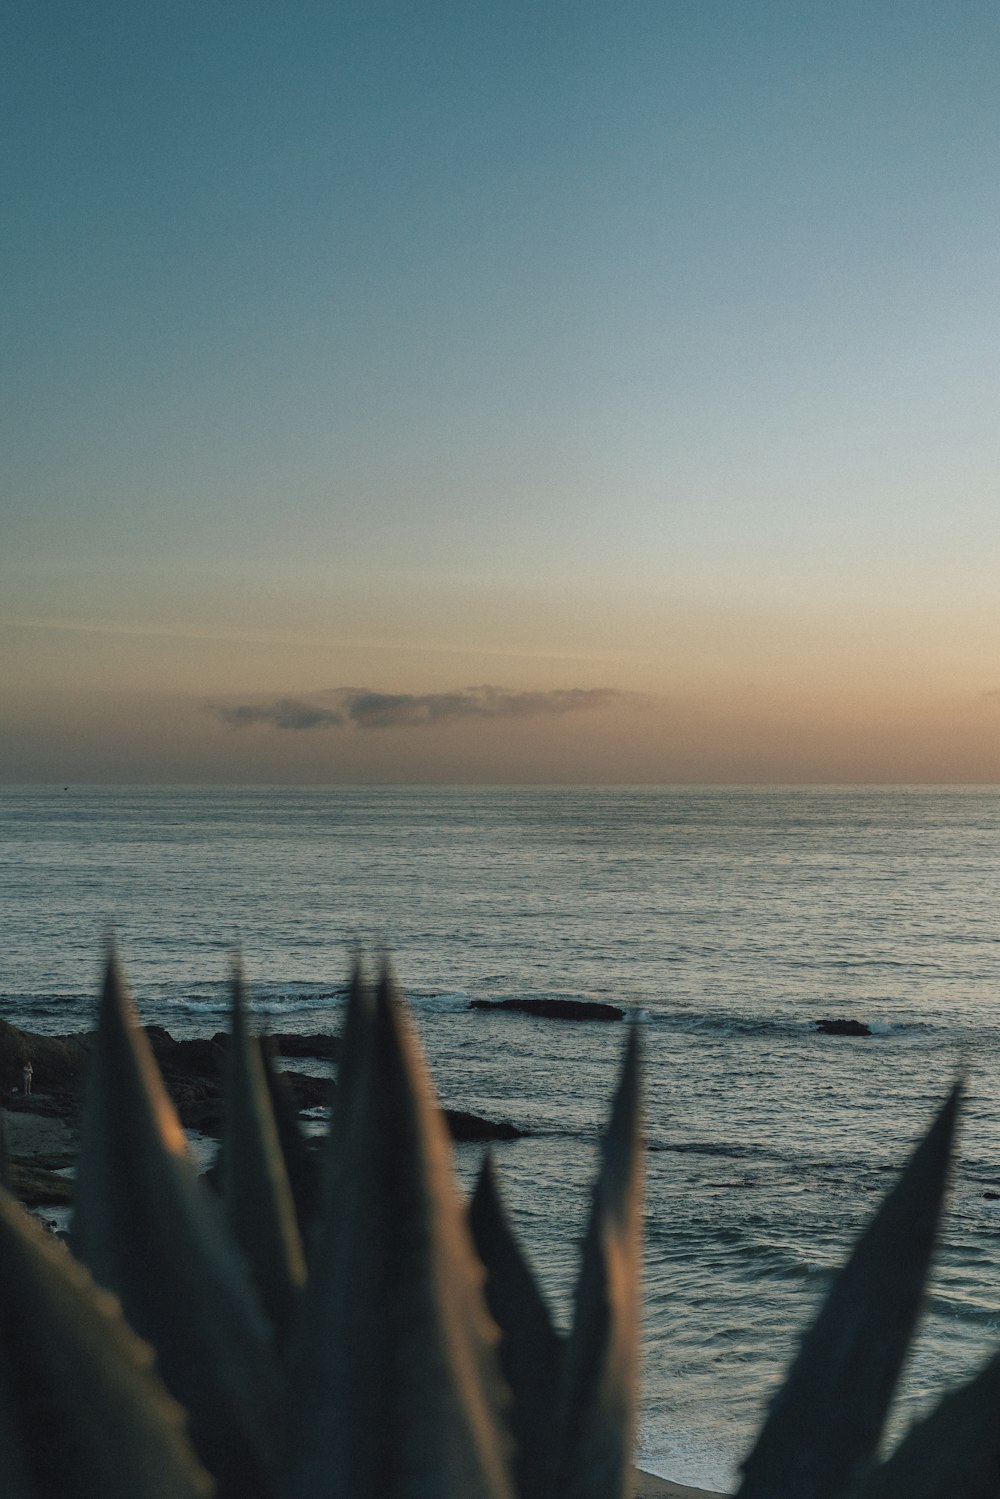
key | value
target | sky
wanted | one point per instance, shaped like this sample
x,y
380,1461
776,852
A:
x,y
556,392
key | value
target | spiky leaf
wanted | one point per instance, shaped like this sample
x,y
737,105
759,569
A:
x,y
82,1411
530,1347
150,1231
401,1392
353,1074
301,1163
596,1418
953,1454
255,1188
826,1420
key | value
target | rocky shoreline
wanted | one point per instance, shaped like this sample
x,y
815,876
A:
x,y
41,1127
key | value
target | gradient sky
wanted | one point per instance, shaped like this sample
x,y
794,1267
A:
x,y
636,362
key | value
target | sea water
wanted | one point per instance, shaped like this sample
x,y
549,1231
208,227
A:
x,y
728,921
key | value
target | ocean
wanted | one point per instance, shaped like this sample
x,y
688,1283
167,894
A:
x,y
727,921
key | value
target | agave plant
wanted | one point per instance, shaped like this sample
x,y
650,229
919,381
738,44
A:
x,y
352,1329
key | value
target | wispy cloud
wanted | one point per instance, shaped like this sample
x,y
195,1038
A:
x,y
361,708
283,713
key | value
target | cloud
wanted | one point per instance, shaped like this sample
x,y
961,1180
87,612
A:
x,y
284,713
361,708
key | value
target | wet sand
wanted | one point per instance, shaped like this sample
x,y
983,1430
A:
x,y
648,1486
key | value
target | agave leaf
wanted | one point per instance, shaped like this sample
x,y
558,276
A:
x,y
825,1422
255,1188
150,1231
309,1350
82,1411
352,1077
530,1347
596,1417
353,1071
14,1480
399,1393
301,1163
954,1453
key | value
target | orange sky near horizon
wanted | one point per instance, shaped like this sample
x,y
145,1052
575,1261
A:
x,y
733,699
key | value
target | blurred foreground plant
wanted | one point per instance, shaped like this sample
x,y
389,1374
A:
x,y
349,1329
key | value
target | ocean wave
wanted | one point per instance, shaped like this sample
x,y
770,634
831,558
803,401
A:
x,y
50,1014
441,1001
270,1002
710,1148
963,1309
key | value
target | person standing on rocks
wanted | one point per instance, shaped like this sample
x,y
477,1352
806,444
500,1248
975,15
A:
x,y
27,1072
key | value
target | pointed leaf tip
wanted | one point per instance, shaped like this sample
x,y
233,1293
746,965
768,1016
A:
x,y
530,1348
150,1231
355,1043
402,1390
825,1422
598,1399
123,1059
305,1175
258,1198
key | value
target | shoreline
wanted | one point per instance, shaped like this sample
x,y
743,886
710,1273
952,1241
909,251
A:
x,y
651,1486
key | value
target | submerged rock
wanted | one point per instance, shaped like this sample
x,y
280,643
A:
x,y
465,1126
288,1044
843,1027
554,1009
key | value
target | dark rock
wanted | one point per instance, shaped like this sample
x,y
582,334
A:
x,y
202,1106
323,1048
38,1188
206,1115
843,1028
186,1059
59,1104
55,1160
308,1092
59,1062
992,1196
464,1126
554,1009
